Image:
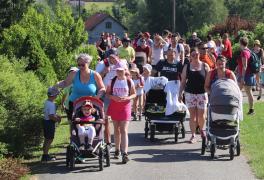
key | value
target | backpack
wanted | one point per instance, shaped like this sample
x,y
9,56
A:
x,y
254,62
106,63
113,83
177,47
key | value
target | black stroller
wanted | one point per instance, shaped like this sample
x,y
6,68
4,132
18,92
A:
x,y
156,119
101,150
224,110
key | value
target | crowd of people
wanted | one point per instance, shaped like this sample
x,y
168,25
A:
x,y
125,66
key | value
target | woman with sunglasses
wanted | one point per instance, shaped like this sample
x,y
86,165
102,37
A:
x,y
193,79
85,82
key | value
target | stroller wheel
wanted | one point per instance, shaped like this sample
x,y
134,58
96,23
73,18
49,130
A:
x,y
107,156
212,150
183,131
68,156
176,133
238,148
231,152
146,129
203,145
152,132
71,158
100,158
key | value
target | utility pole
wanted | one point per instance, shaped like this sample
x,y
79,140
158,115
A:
x,y
173,15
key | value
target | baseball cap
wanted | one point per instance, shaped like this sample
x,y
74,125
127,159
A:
x,y
87,104
121,65
52,91
73,69
194,34
147,34
148,67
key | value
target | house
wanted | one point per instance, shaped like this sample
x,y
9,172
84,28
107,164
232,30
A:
x,y
100,22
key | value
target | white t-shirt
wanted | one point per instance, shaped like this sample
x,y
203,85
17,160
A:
x,y
157,55
120,88
49,109
181,48
110,75
139,81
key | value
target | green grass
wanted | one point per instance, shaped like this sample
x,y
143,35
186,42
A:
x,y
252,139
101,5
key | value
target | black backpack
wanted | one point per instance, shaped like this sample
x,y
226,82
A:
x,y
254,62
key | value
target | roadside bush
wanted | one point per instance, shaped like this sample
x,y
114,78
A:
x,y
12,169
259,32
21,98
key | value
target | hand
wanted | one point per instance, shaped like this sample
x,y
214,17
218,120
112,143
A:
x,y
77,119
180,98
116,98
58,119
125,99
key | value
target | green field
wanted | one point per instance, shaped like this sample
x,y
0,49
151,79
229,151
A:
x,y
252,139
101,5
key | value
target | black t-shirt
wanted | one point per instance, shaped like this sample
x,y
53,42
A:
x,y
170,71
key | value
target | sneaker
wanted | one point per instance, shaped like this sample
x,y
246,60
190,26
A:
x,y
125,158
259,97
46,158
139,117
134,116
117,154
251,112
89,148
193,140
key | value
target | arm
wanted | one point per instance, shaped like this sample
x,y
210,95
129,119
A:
x,y
54,117
233,77
207,84
100,85
183,82
182,56
68,81
98,45
149,56
132,94
244,62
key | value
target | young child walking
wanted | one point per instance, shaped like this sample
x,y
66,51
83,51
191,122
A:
x,y
49,123
121,91
138,101
86,130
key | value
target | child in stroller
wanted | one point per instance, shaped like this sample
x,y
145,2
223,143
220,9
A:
x,y
86,130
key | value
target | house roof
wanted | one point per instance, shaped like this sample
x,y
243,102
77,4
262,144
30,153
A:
x,y
96,19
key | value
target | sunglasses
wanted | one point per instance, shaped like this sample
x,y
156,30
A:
x,y
81,65
194,54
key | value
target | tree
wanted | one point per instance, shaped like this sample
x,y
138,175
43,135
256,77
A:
x,y
11,11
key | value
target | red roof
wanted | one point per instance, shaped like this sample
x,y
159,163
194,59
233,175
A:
x,y
96,19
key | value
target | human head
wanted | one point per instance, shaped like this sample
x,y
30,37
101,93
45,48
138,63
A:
x,y
121,68
209,37
84,61
147,35
243,41
257,45
202,48
143,43
225,36
53,93
194,35
221,62
171,55
147,68
174,38
87,108
113,57
134,72
126,42
195,54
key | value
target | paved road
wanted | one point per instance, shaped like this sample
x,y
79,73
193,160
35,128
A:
x,y
156,161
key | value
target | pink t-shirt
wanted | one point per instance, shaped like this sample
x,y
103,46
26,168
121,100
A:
x,y
228,52
244,54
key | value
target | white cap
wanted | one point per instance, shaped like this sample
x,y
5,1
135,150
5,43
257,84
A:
x,y
194,34
73,69
148,67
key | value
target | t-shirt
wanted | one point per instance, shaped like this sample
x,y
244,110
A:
x,y
110,75
170,71
145,50
178,49
206,59
120,87
140,82
244,54
157,55
228,52
49,109
126,53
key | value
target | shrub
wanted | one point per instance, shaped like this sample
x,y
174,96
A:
x,y
21,98
259,32
12,169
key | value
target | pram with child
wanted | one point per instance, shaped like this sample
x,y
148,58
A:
x,y
87,140
159,116
224,114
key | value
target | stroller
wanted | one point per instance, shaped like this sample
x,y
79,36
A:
x,y
100,149
156,119
224,114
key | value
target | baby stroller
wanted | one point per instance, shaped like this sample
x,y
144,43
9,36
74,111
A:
x,y
224,114
156,119
100,149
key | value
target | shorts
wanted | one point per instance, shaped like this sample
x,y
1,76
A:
x,y
49,129
250,79
196,100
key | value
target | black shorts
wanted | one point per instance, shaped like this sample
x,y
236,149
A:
x,y
49,129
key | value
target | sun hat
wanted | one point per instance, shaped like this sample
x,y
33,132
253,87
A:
x,y
52,91
87,104
194,34
121,65
135,69
148,67
257,42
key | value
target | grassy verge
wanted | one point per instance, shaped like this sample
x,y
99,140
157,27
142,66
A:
x,y
101,5
252,137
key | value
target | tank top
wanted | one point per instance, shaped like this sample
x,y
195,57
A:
x,y
80,89
157,55
104,43
195,80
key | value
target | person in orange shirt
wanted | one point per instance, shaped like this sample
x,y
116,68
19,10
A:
x,y
205,56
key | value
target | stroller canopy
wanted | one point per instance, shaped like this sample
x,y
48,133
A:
x,y
225,92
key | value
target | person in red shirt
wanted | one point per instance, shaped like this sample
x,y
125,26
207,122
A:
x,y
227,50
246,79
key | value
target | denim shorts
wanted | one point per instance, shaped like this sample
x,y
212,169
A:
x,y
49,129
250,79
